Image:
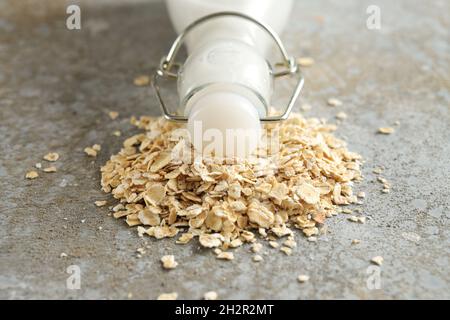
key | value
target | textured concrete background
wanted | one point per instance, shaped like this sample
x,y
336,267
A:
x,y
56,87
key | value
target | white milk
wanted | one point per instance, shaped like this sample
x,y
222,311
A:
x,y
226,81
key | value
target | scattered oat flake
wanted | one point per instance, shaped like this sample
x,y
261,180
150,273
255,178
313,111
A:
x,y
117,133
142,80
169,262
141,231
262,232
361,220
210,295
305,61
90,151
361,194
378,170
303,278
286,250
168,296
378,260
341,116
210,240
386,130
274,244
290,243
185,238
113,115
236,243
52,156
31,175
311,231
382,180
225,255
256,247
63,255
257,258
100,203
38,165
356,241
333,102
50,169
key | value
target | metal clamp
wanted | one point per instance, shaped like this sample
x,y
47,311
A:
x,y
167,62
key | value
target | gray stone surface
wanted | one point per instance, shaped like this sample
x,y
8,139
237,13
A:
x,y
56,87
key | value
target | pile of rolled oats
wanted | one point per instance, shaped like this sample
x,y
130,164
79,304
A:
x,y
167,191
